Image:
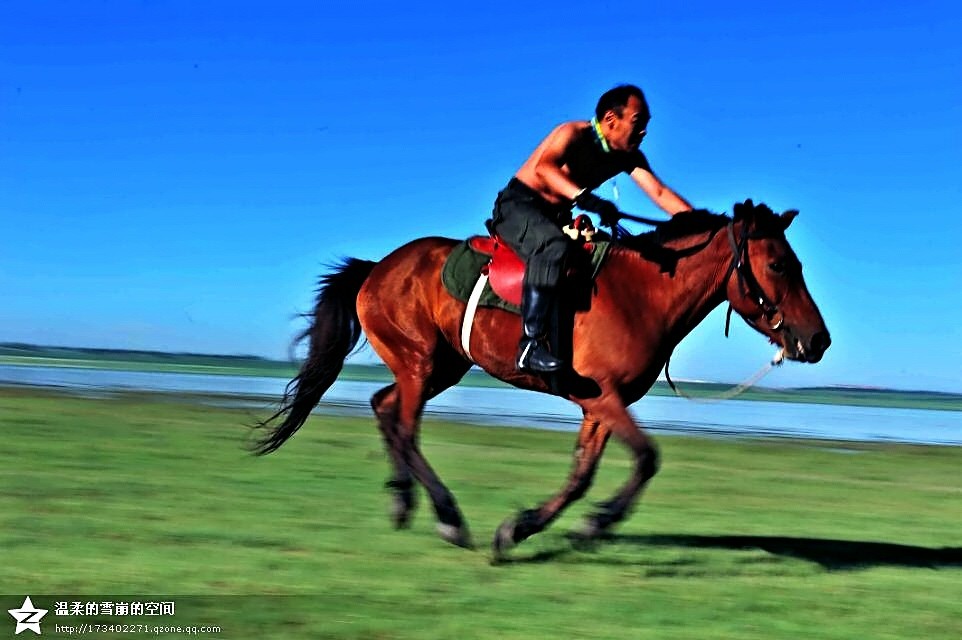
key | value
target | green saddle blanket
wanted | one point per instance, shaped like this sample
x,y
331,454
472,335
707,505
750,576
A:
x,y
463,267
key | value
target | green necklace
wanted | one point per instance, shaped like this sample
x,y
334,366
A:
x,y
601,136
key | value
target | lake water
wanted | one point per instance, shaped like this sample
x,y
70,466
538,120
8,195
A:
x,y
513,407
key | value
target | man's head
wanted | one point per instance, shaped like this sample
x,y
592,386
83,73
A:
x,y
623,115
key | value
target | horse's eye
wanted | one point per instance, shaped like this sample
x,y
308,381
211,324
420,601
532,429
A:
x,y
777,267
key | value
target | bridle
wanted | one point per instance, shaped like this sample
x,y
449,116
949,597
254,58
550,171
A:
x,y
741,265
747,280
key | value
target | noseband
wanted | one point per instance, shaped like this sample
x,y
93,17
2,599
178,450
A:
x,y
743,266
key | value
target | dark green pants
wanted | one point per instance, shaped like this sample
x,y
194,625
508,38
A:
x,y
532,227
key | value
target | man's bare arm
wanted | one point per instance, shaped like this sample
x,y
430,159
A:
x,y
548,166
659,192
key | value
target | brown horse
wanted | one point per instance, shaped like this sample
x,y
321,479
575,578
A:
x,y
651,292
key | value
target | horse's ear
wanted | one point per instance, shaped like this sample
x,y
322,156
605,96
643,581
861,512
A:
x,y
787,217
743,210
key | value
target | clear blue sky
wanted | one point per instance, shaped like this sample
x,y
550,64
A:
x,y
174,175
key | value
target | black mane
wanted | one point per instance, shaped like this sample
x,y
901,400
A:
x,y
652,245
680,225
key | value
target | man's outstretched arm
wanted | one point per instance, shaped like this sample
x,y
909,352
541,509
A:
x,y
660,193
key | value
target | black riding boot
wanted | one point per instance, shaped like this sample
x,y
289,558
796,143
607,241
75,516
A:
x,y
533,353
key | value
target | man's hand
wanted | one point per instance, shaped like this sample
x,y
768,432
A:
x,y
606,209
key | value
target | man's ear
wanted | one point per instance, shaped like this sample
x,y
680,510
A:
x,y
610,117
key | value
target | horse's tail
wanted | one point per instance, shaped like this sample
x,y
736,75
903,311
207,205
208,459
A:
x,y
334,332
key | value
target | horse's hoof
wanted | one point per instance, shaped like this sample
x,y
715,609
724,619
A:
x,y
590,530
503,540
457,536
400,513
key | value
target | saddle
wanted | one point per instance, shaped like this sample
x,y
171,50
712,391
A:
x,y
490,258
505,270
486,272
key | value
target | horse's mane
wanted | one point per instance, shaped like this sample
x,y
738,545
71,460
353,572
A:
x,y
685,224
653,245
680,225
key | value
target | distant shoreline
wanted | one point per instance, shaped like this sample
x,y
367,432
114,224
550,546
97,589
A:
x,y
12,354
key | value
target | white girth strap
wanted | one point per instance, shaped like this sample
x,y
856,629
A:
x,y
469,312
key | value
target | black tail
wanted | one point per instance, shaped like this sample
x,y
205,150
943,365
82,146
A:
x,y
333,333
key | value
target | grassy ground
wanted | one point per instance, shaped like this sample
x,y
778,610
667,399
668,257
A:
x,y
734,539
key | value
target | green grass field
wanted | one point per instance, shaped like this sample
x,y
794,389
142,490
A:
x,y
140,494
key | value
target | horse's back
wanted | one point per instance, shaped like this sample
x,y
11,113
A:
x,y
421,245
408,267
403,298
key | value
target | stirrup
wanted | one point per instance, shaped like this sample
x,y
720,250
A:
x,y
534,357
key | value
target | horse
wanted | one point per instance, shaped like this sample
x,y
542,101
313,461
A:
x,y
651,291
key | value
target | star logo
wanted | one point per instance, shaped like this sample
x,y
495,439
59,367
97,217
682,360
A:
x,y
27,617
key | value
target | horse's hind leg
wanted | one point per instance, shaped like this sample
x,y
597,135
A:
x,y
401,484
422,369
412,395
591,443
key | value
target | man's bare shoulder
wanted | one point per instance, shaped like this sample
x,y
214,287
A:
x,y
572,127
565,132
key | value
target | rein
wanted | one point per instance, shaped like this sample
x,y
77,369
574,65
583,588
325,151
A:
x,y
736,390
619,231
747,280
641,219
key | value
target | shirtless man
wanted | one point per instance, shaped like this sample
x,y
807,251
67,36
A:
x,y
572,161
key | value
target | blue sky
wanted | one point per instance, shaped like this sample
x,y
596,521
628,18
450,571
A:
x,y
175,175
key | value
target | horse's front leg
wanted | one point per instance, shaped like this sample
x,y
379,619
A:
x,y
591,443
614,415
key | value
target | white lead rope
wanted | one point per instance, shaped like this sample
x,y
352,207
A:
x,y
738,389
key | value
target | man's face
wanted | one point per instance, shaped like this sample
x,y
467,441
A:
x,y
625,132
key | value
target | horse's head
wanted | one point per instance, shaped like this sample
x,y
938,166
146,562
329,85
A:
x,y
766,287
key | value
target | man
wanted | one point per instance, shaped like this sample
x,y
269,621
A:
x,y
573,160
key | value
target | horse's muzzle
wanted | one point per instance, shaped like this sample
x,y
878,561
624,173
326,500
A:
x,y
818,345
810,351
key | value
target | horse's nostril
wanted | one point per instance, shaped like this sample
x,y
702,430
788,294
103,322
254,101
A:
x,y
821,341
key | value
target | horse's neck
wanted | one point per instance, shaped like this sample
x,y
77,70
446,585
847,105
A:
x,y
703,278
695,287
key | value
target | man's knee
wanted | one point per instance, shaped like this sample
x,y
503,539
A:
x,y
545,270
555,248
547,264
